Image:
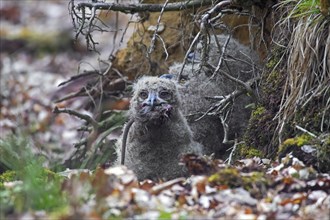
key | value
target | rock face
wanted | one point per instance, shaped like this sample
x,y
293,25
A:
x,y
240,62
160,133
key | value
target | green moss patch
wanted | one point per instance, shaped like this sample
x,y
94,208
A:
x,y
249,152
7,176
316,155
231,177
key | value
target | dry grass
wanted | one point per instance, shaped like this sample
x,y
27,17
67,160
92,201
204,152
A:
x,y
307,40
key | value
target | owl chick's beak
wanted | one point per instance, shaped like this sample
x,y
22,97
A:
x,y
153,101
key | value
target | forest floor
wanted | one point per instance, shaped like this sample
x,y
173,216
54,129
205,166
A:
x,y
37,54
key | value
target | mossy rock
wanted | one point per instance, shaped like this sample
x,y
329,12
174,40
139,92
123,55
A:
x,y
228,176
231,177
298,141
294,146
312,151
38,43
7,176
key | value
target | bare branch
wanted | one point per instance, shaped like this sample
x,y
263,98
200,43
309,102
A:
x,y
225,100
87,22
85,117
133,8
205,22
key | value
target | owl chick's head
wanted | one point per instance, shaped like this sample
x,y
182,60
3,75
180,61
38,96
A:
x,y
155,100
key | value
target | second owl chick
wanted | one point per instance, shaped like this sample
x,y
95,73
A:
x,y
238,61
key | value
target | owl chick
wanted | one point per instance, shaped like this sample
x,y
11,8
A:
x,y
238,61
160,133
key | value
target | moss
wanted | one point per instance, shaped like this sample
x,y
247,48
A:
x,y
258,133
253,182
272,87
227,176
48,175
314,116
7,176
260,110
319,159
298,141
253,177
273,79
271,63
262,126
249,152
275,58
323,154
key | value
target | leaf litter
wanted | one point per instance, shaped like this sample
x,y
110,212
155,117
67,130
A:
x,y
254,188
280,193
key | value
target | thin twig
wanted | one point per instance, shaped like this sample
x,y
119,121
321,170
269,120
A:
x,y
187,53
153,39
164,45
304,130
160,187
223,50
230,158
225,129
115,35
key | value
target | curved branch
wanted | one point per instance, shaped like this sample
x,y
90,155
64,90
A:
x,y
85,117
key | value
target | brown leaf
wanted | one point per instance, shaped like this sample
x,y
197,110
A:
x,y
199,165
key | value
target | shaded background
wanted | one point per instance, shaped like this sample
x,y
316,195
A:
x,y
38,52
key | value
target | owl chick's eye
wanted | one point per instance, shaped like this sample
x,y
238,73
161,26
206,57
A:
x,y
164,95
143,94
